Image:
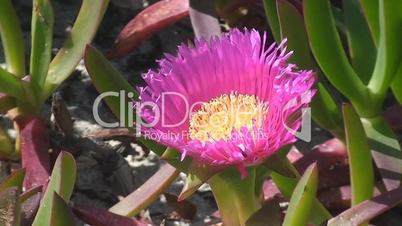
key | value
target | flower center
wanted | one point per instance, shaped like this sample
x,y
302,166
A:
x,y
217,118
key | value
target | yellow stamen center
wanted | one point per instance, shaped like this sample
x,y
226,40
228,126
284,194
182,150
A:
x,y
217,118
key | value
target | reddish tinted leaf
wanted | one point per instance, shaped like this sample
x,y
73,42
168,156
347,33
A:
x,y
146,23
34,151
61,184
147,193
367,210
100,217
29,193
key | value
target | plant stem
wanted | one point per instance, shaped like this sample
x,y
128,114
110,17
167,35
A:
x,y
235,197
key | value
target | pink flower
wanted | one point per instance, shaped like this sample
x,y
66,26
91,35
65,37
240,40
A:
x,y
226,102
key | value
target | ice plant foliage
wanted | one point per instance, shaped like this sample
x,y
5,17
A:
x,y
229,101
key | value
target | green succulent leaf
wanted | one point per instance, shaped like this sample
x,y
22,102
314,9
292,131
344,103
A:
x,y
359,157
12,39
385,149
362,50
389,53
109,81
287,185
42,37
370,8
82,32
60,214
328,51
235,196
292,27
61,182
13,180
324,109
396,85
272,16
302,199
11,85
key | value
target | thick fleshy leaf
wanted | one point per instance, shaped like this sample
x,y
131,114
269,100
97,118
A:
x,y
389,53
106,79
34,146
29,193
302,198
370,8
10,207
235,196
60,214
385,149
13,180
82,32
11,85
367,210
281,166
61,181
191,185
152,19
6,146
100,217
287,185
268,215
197,175
147,193
330,55
324,109
204,19
110,83
273,19
41,42
396,85
292,27
362,49
359,157
326,113
12,39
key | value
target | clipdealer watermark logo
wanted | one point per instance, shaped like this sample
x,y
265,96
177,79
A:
x,y
129,108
